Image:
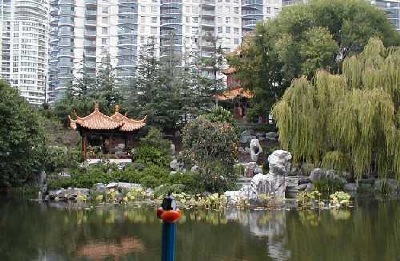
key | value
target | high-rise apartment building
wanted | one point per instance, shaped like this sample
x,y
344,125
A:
x,y
392,10
82,32
24,47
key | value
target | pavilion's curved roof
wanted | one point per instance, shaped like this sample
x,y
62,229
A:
x,y
99,121
234,93
127,124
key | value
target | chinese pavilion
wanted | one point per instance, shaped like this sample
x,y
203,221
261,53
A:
x,y
101,134
235,94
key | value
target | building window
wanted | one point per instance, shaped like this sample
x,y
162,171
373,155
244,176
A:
x,y
228,30
104,30
154,20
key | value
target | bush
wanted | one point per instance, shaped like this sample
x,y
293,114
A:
x,y
328,186
153,149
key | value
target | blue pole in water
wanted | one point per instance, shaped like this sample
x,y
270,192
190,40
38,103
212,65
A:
x,y
168,241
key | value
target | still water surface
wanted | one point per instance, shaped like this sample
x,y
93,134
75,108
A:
x,y
32,231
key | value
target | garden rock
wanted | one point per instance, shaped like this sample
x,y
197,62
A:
x,y
271,136
316,175
255,149
99,187
350,187
123,185
249,169
172,149
390,182
246,136
176,165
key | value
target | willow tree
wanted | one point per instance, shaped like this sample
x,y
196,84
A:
x,y
348,122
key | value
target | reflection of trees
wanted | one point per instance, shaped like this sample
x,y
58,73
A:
x,y
36,232
369,232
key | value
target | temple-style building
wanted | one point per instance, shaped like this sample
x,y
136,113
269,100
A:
x,y
234,96
106,136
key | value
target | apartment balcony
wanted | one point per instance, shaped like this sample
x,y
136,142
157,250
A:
x,y
54,40
65,54
66,21
207,22
126,63
208,2
54,21
91,2
122,20
90,33
252,6
168,2
89,54
66,2
210,13
249,24
127,11
90,12
89,43
53,11
90,23
252,2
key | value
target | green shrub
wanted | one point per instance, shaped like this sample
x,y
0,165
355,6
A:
x,y
151,155
328,186
165,189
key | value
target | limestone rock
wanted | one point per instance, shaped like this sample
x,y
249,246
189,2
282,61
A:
x,y
255,149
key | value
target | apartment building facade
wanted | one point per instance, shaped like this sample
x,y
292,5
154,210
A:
x,y
84,31
46,43
24,41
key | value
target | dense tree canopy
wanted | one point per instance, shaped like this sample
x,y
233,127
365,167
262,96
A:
x,y
350,121
86,90
21,138
166,90
304,38
211,143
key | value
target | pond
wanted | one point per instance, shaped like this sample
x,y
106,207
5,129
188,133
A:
x,y
33,231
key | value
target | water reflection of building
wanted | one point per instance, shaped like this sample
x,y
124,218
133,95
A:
x,y
265,223
101,250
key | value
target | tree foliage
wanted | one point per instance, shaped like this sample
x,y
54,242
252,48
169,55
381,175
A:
x,y
348,121
86,90
22,139
153,149
304,38
166,90
213,146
